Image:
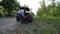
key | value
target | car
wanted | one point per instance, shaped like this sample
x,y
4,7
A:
x,y
27,18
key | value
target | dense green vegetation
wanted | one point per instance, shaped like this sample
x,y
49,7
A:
x,y
49,18
9,6
51,10
47,25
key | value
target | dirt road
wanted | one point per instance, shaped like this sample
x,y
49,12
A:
x,y
10,26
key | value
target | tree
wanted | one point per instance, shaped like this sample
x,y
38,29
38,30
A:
x,y
9,6
53,3
16,6
0,3
40,12
43,6
53,8
56,13
43,9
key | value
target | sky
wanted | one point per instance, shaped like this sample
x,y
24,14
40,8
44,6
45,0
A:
x,y
0,0
33,4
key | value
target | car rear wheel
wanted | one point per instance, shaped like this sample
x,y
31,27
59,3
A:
x,y
17,19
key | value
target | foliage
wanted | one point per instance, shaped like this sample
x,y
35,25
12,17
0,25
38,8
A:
x,y
52,9
36,18
40,12
9,6
43,10
51,24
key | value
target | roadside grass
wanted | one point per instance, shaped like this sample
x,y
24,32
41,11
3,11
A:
x,y
52,24
44,31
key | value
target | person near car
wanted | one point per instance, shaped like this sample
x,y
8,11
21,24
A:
x,y
21,12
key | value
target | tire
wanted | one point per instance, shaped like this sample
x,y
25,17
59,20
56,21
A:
x,y
27,21
17,19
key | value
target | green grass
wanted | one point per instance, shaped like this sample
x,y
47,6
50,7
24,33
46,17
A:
x,y
51,23
44,31
47,31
